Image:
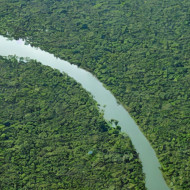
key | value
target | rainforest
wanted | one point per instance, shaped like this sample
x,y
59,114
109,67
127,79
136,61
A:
x,y
53,136
140,51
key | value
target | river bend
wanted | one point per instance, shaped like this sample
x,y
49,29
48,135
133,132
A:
x,y
112,110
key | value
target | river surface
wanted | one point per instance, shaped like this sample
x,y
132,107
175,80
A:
x,y
112,110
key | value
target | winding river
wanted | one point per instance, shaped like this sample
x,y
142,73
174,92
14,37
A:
x,y
112,110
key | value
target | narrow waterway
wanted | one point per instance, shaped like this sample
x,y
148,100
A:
x,y
112,110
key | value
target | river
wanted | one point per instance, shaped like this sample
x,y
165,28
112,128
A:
x,y
112,110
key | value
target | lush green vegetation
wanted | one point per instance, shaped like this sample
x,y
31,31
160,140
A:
x,y
139,49
52,135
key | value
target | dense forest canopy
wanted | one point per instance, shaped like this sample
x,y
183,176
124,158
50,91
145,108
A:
x,y
139,49
52,135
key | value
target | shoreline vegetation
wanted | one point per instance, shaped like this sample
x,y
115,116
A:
x,y
52,135
138,49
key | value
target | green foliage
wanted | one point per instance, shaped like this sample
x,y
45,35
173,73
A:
x,y
138,49
52,135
